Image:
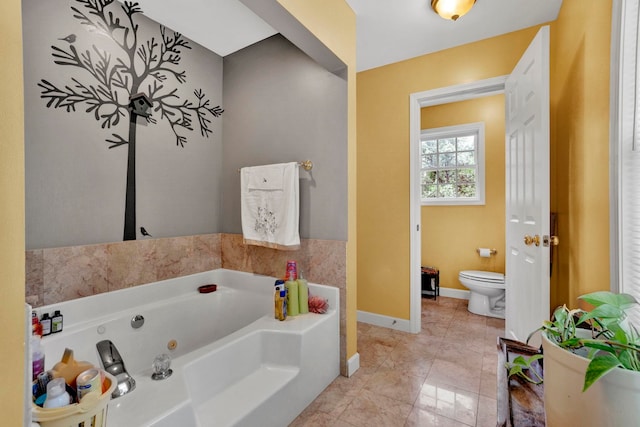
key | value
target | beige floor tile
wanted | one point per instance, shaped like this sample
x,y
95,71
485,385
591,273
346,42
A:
x,y
395,384
422,418
351,386
489,384
453,373
332,401
460,353
363,328
448,401
443,376
487,412
495,322
489,362
435,328
318,419
372,356
369,409
422,342
410,362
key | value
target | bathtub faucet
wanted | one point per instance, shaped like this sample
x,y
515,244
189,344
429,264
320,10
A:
x,y
113,364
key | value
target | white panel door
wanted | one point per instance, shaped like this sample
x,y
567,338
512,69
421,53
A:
x,y
527,190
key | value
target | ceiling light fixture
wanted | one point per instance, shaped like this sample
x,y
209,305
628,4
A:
x,y
452,9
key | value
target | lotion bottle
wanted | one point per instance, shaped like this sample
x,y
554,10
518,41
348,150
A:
x,y
303,294
293,305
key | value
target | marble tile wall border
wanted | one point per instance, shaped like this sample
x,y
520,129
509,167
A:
x,y
61,274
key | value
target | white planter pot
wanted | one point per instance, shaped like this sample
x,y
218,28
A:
x,y
614,400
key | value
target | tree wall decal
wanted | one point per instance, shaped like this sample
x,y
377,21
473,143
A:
x,y
121,83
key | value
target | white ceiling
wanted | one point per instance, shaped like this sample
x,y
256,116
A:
x,y
388,31
222,26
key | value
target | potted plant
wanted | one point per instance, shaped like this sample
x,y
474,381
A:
x,y
592,364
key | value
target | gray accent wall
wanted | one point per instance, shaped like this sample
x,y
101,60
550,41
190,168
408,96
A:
x,y
281,106
75,184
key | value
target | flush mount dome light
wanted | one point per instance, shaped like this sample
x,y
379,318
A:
x,y
452,9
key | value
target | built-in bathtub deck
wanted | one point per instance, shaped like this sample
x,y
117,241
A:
x,y
264,373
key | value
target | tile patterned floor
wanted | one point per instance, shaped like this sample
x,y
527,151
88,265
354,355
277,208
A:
x,y
443,376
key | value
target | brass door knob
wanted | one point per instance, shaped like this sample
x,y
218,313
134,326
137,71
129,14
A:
x,y
528,240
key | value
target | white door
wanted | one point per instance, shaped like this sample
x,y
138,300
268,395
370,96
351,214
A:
x,y
527,191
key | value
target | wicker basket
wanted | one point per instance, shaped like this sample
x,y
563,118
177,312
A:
x,y
90,412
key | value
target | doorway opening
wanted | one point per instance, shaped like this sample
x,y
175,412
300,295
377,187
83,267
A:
x,y
419,100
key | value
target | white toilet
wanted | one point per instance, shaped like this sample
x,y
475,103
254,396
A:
x,y
487,292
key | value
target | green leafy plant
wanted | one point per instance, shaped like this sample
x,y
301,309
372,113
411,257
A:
x,y
609,341
522,365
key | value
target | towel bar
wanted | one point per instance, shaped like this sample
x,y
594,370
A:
x,y
306,165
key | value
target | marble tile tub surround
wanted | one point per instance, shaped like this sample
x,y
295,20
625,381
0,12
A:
x,y
61,274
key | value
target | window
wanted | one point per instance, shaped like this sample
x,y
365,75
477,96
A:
x,y
625,157
452,165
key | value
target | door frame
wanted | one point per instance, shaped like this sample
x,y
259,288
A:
x,y
418,100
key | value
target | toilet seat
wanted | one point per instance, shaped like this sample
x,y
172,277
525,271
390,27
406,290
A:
x,y
488,278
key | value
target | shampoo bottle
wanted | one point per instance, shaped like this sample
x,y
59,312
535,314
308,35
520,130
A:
x,y
56,322
46,324
293,305
303,294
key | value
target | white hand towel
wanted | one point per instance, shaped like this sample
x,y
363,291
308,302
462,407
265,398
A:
x,y
270,205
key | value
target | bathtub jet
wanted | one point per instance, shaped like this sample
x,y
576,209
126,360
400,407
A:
x,y
113,364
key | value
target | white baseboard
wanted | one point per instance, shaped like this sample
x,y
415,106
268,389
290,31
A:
x,y
454,293
384,321
353,364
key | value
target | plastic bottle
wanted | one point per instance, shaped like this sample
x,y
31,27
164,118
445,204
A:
x,y
293,305
36,326
283,297
303,294
281,304
46,324
57,395
37,356
56,322
278,286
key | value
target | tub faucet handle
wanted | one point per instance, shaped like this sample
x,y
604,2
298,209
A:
x,y
161,367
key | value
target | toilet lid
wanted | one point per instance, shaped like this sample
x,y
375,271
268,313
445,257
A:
x,y
483,276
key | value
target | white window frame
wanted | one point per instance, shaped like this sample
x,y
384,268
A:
x,y
458,130
625,150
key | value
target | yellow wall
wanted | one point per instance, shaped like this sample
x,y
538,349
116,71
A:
x,y
11,214
334,23
383,158
580,55
451,234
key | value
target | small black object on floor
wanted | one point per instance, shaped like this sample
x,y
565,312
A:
x,y
430,282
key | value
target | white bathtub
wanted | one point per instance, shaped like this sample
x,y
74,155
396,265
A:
x,y
234,363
